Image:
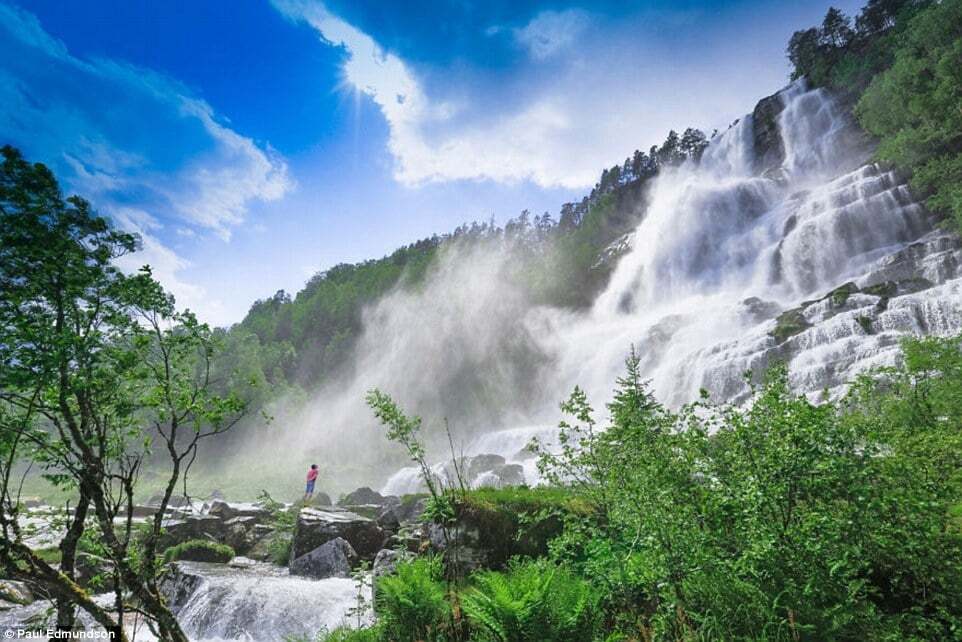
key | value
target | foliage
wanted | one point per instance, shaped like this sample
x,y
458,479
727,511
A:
x,y
98,367
532,601
283,521
783,519
413,604
199,550
913,106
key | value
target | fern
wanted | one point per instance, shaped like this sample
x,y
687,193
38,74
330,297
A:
x,y
532,601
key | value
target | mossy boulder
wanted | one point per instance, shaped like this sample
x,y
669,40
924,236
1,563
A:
x,y
199,550
788,324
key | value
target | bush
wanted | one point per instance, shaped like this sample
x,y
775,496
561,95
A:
x,y
200,550
532,601
412,604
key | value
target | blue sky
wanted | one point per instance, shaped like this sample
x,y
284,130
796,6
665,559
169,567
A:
x,y
252,144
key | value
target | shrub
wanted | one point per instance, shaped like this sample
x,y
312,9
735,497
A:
x,y
532,601
200,550
412,604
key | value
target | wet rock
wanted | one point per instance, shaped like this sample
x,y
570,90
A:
x,y
482,464
460,545
788,324
769,150
759,310
511,474
178,585
16,592
316,527
140,511
93,572
241,562
361,496
334,558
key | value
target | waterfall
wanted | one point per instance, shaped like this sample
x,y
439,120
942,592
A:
x,y
262,602
722,249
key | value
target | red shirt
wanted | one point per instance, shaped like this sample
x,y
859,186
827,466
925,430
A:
x,y
312,474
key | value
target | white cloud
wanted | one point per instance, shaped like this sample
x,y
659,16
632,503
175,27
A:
x,y
551,32
132,141
557,129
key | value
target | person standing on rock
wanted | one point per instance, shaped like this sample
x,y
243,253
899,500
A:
x,y
311,480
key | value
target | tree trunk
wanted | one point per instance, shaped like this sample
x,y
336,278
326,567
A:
x,y
66,608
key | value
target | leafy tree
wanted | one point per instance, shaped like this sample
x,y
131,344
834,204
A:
x,y
96,366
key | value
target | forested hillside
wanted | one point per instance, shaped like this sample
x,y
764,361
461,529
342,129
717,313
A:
x,y
564,260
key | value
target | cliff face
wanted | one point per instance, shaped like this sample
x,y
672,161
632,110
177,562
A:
x,y
769,150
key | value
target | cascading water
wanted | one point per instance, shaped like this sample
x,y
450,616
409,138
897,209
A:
x,y
263,603
723,249
220,603
729,249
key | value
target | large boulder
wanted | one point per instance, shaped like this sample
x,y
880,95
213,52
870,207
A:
x,y
316,527
511,474
481,464
362,496
335,558
192,527
240,533
226,510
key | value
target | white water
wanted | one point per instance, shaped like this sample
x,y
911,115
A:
x,y
261,603
718,233
264,603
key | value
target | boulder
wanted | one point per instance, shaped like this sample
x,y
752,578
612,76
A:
x,y
482,464
315,527
362,496
388,519
386,561
226,510
140,510
510,474
16,592
176,501
411,510
239,533
192,527
178,585
334,558
461,547
242,562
